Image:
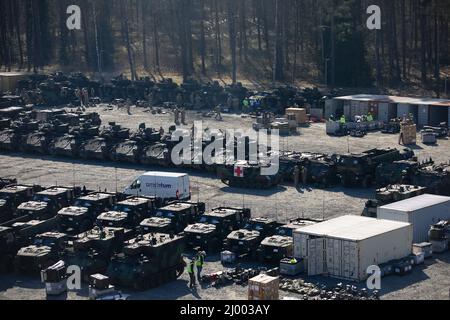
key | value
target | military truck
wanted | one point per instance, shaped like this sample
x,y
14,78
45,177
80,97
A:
x,y
12,196
57,197
148,261
81,216
359,169
246,175
118,219
214,226
246,241
173,218
92,250
43,253
390,194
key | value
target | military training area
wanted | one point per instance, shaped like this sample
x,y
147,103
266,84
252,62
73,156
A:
x,y
244,153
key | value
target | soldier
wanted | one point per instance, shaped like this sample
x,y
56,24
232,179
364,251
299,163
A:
x,y
183,116
296,176
85,97
161,132
190,271
199,262
129,103
218,113
176,113
304,175
179,99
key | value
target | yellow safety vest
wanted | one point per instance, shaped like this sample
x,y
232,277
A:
x,y
199,262
190,268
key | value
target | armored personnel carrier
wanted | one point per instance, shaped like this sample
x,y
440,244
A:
x,y
274,249
390,194
126,151
436,178
396,172
81,216
246,241
9,140
214,227
321,171
43,253
36,142
246,175
173,218
148,261
359,169
96,148
92,250
118,219
140,206
12,196
57,197
156,154
67,145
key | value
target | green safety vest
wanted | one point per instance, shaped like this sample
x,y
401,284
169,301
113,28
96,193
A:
x,y
190,268
199,262
342,120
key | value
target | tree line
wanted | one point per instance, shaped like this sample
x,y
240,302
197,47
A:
x,y
281,40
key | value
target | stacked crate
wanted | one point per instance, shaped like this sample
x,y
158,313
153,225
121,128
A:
x,y
299,113
263,287
409,132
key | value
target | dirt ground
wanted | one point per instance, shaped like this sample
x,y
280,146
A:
x,y
283,203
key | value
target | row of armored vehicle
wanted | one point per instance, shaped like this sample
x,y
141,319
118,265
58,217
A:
x,y
126,230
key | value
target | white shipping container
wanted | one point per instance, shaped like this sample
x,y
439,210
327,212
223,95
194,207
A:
x,y
345,247
421,211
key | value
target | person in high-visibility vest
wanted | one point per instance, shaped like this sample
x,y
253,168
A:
x,y
293,261
343,121
199,262
190,271
369,117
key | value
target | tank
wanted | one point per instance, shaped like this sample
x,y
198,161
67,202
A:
x,y
245,242
274,249
43,253
85,210
66,145
126,151
148,261
156,154
92,250
96,148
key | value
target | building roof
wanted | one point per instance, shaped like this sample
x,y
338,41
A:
x,y
396,99
416,203
353,228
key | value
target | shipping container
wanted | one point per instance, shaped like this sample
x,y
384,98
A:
x,y
346,246
421,211
423,116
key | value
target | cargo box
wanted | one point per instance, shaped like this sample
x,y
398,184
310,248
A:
x,y
263,287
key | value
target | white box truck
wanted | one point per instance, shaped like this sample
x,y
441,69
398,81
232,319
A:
x,y
165,185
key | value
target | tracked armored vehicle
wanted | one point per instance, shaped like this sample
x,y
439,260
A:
x,y
148,261
359,169
66,145
126,151
92,250
397,172
81,216
321,171
246,175
246,241
12,196
436,178
214,227
274,249
173,218
43,253
156,154
390,194
36,142
9,140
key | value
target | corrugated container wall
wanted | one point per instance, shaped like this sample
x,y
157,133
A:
x,y
423,116
403,109
421,217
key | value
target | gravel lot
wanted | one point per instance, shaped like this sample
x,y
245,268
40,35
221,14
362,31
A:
x,y
284,202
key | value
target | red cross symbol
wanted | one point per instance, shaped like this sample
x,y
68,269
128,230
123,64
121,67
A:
x,y
239,172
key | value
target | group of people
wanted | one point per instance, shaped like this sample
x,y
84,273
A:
x,y
197,262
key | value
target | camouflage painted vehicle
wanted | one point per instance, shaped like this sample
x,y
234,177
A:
x,y
12,196
396,172
66,145
359,169
173,218
96,148
43,253
92,250
246,175
390,194
9,140
156,154
321,171
118,219
246,241
274,249
36,142
57,197
436,178
126,151
148,261
85,210
140,206
214,227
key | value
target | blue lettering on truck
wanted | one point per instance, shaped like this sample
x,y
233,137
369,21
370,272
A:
x,y
159,186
